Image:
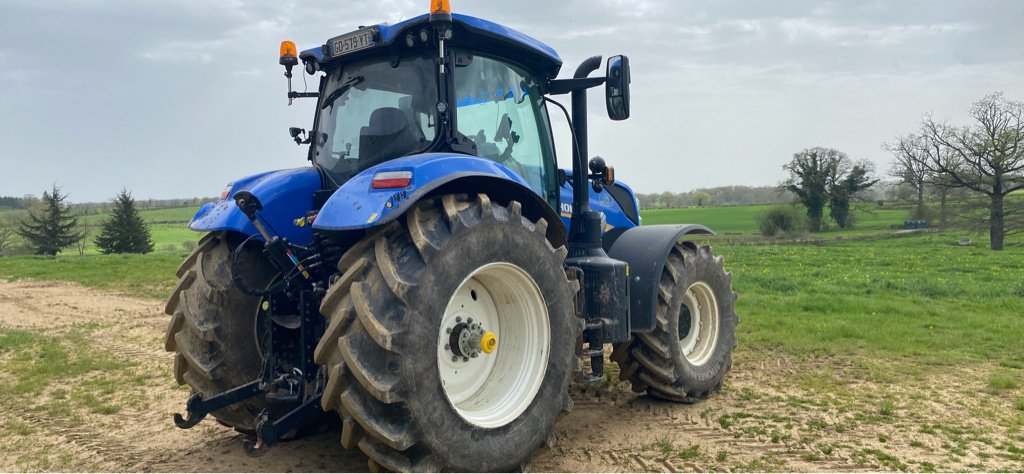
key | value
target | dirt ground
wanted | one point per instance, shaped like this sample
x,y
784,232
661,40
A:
x,y
776,413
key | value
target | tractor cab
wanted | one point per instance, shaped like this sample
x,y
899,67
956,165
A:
x,y
433,84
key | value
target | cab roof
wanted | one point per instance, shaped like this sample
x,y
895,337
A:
x,y
474,33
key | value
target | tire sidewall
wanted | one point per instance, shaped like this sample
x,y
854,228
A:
x,y
459,443
700,266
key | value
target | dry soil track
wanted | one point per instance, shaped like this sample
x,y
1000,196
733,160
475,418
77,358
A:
x,y
775,414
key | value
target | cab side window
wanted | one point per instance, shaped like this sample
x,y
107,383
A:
x,y
501,109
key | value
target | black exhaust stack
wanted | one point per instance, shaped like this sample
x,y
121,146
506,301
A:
x,y
605,280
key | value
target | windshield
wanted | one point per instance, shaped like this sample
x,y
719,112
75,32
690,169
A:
x,y
374,111
501,109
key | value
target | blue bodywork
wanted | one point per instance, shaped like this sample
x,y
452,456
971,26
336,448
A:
x,y
600,201
356,205
288,194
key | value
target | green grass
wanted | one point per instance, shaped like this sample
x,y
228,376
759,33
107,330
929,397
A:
x,y
142,275
693,452
37,359
743,219
720,219
1003,381
919,296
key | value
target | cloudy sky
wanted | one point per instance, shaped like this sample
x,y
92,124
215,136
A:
x,y
174,98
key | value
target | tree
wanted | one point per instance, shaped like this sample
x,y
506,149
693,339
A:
x,y
909,168
701,199
83,242
810,173
6,236
819,176
52,227
847,184
987,158
124,231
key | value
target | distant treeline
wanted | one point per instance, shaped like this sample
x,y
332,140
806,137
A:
x,y
29,201
11,202
720,196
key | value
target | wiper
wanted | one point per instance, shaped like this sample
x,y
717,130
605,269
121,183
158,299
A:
x,y
343,88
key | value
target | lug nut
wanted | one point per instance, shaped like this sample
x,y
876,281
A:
x,y
465,359
448,330
447,347
458,319
455,358
469,320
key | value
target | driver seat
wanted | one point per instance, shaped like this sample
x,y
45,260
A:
x,y
388,135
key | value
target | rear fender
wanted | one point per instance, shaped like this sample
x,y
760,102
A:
x,y
357,206
646,250
286,195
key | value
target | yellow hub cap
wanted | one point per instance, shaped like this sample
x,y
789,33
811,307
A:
x,y
488,342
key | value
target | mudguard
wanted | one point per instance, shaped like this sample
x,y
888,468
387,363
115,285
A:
x,y
646,250
356,205
286,195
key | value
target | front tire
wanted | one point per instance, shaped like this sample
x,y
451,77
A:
x,y
688,354
403,293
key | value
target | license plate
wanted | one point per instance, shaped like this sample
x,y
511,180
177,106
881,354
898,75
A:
x,y
352,42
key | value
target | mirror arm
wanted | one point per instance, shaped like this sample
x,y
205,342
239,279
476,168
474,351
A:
x,y
565,86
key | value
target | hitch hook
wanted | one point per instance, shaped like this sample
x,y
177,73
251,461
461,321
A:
x,y
196,408
192,410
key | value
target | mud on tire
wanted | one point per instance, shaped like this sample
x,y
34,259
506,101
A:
x,y
212,329
685,358
381,344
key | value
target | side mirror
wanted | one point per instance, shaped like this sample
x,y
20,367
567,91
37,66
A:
x,y
296,133
617,87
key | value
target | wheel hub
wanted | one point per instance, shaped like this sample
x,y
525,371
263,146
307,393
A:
x,y
469,339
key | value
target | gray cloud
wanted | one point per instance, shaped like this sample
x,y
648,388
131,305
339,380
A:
x,y
174,98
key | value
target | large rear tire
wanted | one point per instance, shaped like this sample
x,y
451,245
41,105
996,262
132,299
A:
x,y
688,354
212,330
406,399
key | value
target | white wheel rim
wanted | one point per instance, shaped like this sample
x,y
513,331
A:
x,y
491,390
700,311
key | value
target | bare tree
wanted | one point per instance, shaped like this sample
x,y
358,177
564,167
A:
x,y
987,158
6,236
83,243
910,169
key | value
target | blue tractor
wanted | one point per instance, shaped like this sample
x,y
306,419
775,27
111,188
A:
x,y
434,278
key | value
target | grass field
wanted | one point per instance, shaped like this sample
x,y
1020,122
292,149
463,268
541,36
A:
x,y
905,338
918,296
743,219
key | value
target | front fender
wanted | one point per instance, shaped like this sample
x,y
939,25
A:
x,y
286,195
646,250
356,205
